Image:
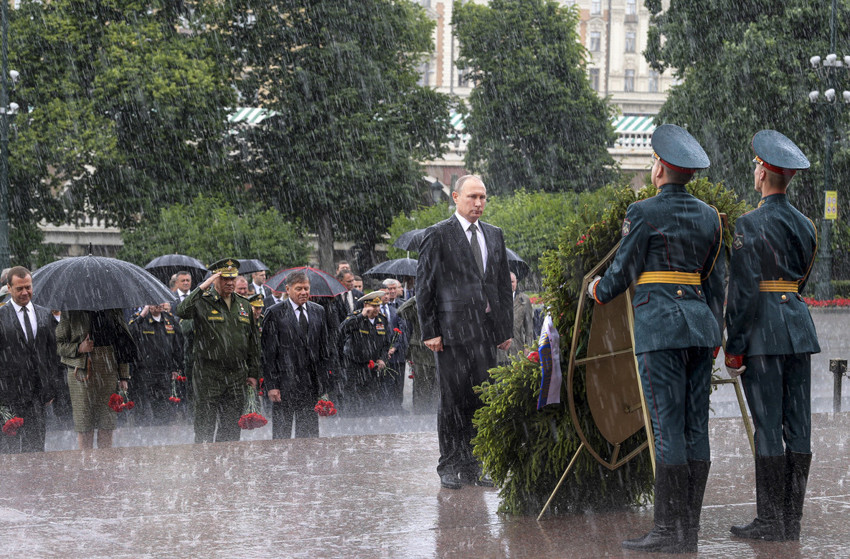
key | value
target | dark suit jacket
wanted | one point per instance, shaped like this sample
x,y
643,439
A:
x,y
400,343
772,242
27,371
294,363
451,295
343,310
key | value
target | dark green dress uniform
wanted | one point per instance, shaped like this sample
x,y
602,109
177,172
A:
x,y
363,340
671,248
226,353
770,331
160,353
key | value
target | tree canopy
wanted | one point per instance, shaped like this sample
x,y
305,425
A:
x,y
534,121
747,69
209,228
352,123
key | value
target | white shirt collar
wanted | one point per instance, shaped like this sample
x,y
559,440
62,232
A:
x,y
465,223
18,307
294,306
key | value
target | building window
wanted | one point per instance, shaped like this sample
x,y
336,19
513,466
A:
x,y
595,41
596,7
654,79
631,7
629,81
594,79
630,41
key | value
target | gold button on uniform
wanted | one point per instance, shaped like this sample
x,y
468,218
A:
x,y
784,297
679,292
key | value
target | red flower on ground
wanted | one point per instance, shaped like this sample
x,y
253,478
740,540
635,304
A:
x,y
534,356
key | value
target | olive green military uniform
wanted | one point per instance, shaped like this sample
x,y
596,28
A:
x,y
226,353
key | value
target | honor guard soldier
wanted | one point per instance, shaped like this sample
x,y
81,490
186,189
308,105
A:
x,y
772,336
671,248
226,352
365,337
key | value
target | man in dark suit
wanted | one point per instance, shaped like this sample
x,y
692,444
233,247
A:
x,y
296,359
671,248
463,297
258,279
348,301
772,337
28,363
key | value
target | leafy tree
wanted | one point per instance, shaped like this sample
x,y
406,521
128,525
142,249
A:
x,y
535,123
342,154
210,228
123,112
747,69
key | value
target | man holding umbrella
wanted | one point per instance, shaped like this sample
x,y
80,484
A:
x,y
226,352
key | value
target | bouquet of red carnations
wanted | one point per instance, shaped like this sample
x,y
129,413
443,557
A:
x,y
11,422
324,407
120,402
174,398
252,418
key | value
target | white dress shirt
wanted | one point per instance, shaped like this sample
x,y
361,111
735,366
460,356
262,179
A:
x,y
479,235
20,315
295,310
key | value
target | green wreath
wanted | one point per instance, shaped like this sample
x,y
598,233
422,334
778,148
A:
x,y
525,451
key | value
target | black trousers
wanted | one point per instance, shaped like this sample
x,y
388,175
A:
x,y
30,437
299,407
459,368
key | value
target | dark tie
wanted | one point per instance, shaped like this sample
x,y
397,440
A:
x,y
476,248
302,319
28,334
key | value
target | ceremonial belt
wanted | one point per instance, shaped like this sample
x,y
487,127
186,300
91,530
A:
x,y
683,278
778,286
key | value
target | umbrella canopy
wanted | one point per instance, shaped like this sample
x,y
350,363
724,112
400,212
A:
x,y
393,269
165,266
322,284
96,283
410,240
251,265
517,265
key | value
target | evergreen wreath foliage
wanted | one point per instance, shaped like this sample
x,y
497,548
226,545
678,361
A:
x,y
526,451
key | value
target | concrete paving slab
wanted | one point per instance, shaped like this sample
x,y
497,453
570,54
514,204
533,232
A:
x,y
362,496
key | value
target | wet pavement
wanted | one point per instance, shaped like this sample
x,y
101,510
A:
x,y
374,495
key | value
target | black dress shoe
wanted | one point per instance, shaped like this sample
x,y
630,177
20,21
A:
x,y
475,479
450,481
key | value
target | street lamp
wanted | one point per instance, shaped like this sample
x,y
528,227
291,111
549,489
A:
x,y
828,70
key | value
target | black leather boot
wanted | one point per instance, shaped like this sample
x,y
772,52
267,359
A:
x,y
697,478
796,478
671,497
770,500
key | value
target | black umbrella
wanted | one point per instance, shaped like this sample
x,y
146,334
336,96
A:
x,y
393,269
517,265
165,266
322,284
410,240
251,265
96,283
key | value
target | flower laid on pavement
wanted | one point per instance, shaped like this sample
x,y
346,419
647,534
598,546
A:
x,y
251,417
325,408
534,356
174,397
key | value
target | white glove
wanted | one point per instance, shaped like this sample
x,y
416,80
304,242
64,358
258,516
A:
x,y
733,372
592,285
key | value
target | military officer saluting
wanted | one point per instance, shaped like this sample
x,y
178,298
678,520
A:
x,y
771,337
671,248
226,352
366,338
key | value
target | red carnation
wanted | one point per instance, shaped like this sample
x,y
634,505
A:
x,y
324,408
252,421
534,356
371,364
10,428
115,402
397,330
409,376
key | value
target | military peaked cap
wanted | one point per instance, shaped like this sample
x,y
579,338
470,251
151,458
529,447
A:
x,y
227,267
373,298
678,150
777,153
